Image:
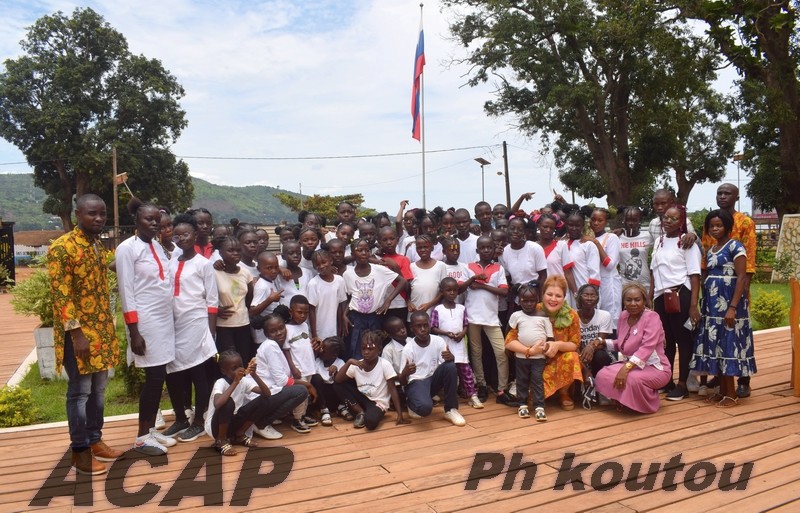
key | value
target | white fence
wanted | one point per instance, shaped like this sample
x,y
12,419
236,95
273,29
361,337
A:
x,y
23,254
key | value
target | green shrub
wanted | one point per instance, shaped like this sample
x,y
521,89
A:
x,y
768,309
32,297
16,407
5,277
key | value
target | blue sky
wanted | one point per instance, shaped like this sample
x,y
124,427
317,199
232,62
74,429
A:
x,y
321,78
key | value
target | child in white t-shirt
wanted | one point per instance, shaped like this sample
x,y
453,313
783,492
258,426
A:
x,y
274,369
241,399
366,386
449,321
428,273
393,350
428,367
300,349
528,337
455,268
371,289
327,297
328,364
267,292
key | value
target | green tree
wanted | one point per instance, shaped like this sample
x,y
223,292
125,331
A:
x,y
616,88
760,38
77,91
323,205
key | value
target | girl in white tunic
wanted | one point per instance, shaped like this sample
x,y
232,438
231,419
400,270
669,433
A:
x,y
146,295
584,255
194,308
607,245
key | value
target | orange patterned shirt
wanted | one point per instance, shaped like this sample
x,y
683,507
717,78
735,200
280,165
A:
x,y
78,268
744,230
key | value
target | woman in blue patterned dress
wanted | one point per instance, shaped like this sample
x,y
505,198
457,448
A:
x,y
724,344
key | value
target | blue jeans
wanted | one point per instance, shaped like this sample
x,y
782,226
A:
x,y
86,395
360,322
419,392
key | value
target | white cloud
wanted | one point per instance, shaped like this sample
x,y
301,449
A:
x,y
316,78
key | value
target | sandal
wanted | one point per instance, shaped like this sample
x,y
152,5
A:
x,y
566,402
245,441
728,402
224,448
714,398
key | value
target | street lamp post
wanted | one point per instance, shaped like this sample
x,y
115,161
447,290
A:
x,y
483,162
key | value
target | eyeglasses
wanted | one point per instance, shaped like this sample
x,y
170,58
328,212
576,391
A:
x,y
673,219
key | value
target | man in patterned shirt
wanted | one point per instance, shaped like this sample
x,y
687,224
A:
x,y
85,340
744,230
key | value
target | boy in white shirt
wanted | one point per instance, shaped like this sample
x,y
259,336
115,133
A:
x,y
429,366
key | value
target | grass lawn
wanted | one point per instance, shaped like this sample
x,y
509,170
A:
x,y
49,397
760,288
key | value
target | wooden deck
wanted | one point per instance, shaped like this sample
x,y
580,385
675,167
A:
x,y
16,333
424,466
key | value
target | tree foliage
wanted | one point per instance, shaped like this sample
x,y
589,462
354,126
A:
x,y
618,90
77,91
323,205
760,38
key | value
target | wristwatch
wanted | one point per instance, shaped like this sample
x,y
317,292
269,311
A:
x,y
629,365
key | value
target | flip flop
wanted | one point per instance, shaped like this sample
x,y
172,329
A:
x,y
731,402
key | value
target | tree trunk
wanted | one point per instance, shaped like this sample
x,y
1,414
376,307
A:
x,y
65,212
684,185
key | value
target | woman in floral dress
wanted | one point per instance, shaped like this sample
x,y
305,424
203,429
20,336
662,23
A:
x,y
724,344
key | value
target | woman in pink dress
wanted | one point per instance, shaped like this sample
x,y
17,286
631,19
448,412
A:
x,y
643,367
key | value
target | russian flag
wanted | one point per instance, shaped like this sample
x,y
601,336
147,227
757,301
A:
x,y
419,63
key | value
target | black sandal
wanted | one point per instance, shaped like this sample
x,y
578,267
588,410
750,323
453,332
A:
x,y
245,441
224,448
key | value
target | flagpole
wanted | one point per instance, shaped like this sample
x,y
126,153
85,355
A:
x,y
422,117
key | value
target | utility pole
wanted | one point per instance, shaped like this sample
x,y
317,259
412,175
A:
x,y
116,201
508,180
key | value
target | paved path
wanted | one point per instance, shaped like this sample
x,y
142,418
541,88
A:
x,y
16,335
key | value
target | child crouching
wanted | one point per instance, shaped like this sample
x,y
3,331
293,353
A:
x,y
231,414
366,385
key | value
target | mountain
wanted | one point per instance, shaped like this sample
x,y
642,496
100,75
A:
x,y
21,202
252,203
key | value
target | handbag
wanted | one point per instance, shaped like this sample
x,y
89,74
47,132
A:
x,y
672,301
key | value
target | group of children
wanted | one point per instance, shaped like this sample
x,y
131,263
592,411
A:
x,y
320,328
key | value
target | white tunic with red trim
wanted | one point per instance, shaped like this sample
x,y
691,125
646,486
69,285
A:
x,y
611,283
194,297
146,294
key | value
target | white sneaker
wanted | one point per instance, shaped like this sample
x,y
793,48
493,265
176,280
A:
x,y
163,440
414,415
692,384
147,444
269,432
455,417
160,423
513,389
475,402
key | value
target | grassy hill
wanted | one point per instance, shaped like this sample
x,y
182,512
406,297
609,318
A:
x,y
21,202
252,203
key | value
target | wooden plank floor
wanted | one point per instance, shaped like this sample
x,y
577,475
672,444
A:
x,y
424,466
16,333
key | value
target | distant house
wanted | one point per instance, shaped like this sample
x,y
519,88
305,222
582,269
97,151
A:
x,y
28,244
